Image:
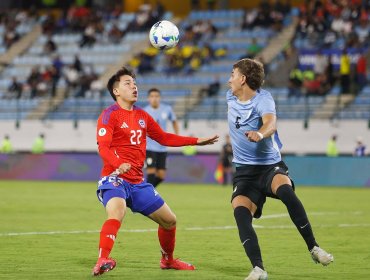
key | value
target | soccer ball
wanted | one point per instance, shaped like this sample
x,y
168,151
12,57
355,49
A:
x,y
164,35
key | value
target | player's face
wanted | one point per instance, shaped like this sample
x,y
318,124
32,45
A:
x,y
236,81
154,98
126,90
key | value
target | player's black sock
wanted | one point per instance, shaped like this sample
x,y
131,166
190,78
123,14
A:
x,y
297,214
157,181
248,236
151,179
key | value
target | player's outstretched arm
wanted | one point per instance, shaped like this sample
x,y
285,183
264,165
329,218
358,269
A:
x,y
207,141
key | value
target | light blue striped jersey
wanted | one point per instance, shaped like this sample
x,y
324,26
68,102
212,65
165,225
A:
x,y
247,116
161,115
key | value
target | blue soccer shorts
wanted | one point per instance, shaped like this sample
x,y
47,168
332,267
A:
x,y
141,198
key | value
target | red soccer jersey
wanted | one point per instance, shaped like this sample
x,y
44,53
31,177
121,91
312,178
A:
x,y
121,137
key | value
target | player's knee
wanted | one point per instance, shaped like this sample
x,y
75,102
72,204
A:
x,y
116,213
169,222
287,194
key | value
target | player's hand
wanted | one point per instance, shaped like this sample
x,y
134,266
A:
x,y
207,141
254,136
123,168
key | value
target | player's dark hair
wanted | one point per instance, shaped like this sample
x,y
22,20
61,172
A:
x,y
253,71
154,89
112,82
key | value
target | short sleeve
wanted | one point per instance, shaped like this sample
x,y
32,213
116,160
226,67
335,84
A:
x,y
265,104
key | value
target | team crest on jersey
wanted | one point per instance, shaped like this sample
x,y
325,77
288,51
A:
x,y
164,115
142,123
102,131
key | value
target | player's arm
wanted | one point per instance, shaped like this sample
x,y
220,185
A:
x,y
172,140
175,126
104,139
267,129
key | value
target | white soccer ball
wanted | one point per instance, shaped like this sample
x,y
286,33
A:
x,y
164,35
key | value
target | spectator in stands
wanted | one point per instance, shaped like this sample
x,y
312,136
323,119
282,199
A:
x,y
363,31
84,82
360,148
50,47
248,18
211,90
331,148
88,37
361,78
253,49
6,146
115,34
316,87
10,36
320,63
295,82
330,74
77,64
33,81
15,89
96,87
38,146
72,77
345,72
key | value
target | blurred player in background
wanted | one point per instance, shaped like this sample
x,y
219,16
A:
x,y
226,158
156,154
260,172
121,136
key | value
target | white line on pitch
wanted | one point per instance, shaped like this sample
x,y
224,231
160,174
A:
x,y
274,216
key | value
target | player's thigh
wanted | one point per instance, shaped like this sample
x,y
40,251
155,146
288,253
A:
x,y
116,208
279,180
244,201
164,216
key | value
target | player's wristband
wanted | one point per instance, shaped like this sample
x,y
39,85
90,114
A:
x,y
260,135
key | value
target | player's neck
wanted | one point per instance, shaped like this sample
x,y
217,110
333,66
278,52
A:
x,y
246,94
126,105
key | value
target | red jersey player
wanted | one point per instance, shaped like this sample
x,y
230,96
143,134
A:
x,y
121,136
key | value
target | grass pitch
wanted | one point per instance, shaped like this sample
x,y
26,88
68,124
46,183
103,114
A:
x,y
50,230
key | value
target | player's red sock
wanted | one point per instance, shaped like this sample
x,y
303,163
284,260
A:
x,y
167,239
108,234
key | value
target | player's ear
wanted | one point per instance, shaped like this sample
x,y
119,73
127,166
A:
x,y
243,79
115,91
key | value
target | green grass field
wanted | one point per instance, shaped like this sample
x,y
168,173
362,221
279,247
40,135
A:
x,y
60,222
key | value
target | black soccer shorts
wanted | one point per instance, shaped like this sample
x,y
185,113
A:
x,y
156,159
254,182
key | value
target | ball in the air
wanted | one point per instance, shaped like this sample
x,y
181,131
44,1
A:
x,y
164,35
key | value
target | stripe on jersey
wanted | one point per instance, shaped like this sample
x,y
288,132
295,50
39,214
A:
x,y
108,112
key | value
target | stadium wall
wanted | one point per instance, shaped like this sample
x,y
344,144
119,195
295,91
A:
x,y
305,170
63,136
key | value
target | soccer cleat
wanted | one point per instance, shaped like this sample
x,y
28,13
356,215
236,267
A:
x,y
175,264
257,274
103,265
320,256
